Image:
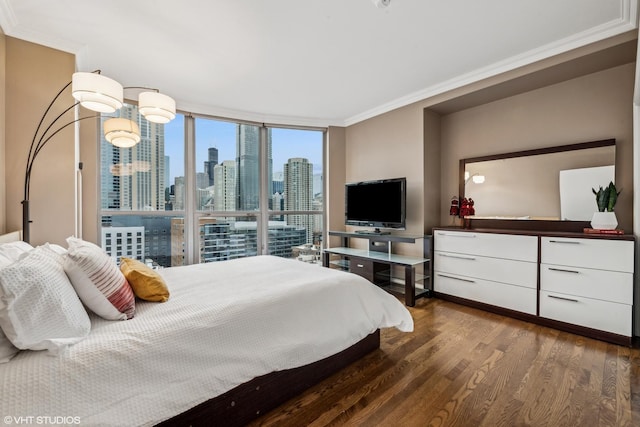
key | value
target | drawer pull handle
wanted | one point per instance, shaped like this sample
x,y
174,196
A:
x,y
463,235
456,278
563,270
564,299
360,265
470,258
568,242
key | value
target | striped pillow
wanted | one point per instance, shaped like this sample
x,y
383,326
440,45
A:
x,y
98,281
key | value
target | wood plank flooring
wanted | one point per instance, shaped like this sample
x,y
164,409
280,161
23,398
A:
x,y
466,367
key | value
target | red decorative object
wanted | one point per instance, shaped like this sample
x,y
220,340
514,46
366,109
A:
x,y
454,210
466,207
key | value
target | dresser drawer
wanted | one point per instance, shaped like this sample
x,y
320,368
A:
x,y
498,270
513,297
604,285
615,255
522,248
362,267
591,313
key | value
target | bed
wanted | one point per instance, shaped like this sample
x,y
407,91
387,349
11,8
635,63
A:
x,y
235,339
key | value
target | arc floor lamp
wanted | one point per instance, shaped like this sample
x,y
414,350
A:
x,y
103,95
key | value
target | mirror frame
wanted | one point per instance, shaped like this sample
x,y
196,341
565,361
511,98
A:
x,y
545,225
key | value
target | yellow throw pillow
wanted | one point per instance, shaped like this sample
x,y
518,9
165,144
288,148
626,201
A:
x,y
146,283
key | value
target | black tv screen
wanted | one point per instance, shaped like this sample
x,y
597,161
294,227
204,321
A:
x,y
379,204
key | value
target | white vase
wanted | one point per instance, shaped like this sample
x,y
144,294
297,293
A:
x,y
604,221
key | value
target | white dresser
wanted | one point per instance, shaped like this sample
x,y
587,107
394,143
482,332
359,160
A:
x,y
587,282
495,269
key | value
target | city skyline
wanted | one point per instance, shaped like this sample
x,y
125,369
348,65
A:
x,y
226,179
222,135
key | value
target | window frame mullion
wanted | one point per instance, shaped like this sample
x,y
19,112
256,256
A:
x,y
191,219
263,218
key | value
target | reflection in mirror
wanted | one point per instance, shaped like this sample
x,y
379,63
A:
x,y
576,204
550,184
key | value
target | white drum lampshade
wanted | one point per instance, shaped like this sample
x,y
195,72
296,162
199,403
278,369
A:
x,y
156,107
97,92
122,133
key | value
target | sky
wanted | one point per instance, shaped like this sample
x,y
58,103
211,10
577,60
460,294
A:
x,y
286,143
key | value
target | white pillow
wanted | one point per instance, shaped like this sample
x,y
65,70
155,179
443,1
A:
x,y
57,248
7,350
4,261
98,281
13,250
39,309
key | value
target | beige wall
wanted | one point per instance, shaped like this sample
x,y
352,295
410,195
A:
x,y
432,170
89,157
335,162
593,107
34,75
391,146
31,75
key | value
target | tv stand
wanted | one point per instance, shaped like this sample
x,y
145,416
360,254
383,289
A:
x,y
378,262
376,232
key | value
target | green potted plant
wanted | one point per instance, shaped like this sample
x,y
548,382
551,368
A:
x,y
606,198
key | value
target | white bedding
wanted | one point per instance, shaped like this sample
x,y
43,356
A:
x,y
224,324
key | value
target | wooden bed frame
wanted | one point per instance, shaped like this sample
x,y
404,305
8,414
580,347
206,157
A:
x,y
250,400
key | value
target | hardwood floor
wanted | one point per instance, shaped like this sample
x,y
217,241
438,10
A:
x,y
466,367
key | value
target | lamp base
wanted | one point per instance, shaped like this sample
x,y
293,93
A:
x,y
26,235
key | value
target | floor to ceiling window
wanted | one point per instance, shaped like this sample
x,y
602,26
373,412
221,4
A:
x,y
247,178
296,193
141,196
227,176
201,190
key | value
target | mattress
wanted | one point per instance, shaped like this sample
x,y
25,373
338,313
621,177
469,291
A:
x,y
225,323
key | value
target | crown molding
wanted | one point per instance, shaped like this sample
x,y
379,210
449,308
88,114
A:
x,y
8,19
248,116
627,21
11,27
37,37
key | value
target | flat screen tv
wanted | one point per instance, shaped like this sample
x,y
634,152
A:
x,y
377,204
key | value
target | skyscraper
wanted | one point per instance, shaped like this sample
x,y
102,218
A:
x,y
202,180
224,193
204,193
178,190
248,166
167,172
277,182
109,173
135,179
210,163
298,193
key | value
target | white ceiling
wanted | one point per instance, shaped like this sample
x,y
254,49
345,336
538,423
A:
x,y
323,62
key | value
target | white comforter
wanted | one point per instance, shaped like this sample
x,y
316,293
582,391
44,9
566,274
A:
x,y
224,324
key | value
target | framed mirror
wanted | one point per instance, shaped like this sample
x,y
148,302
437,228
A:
x,y
547,184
